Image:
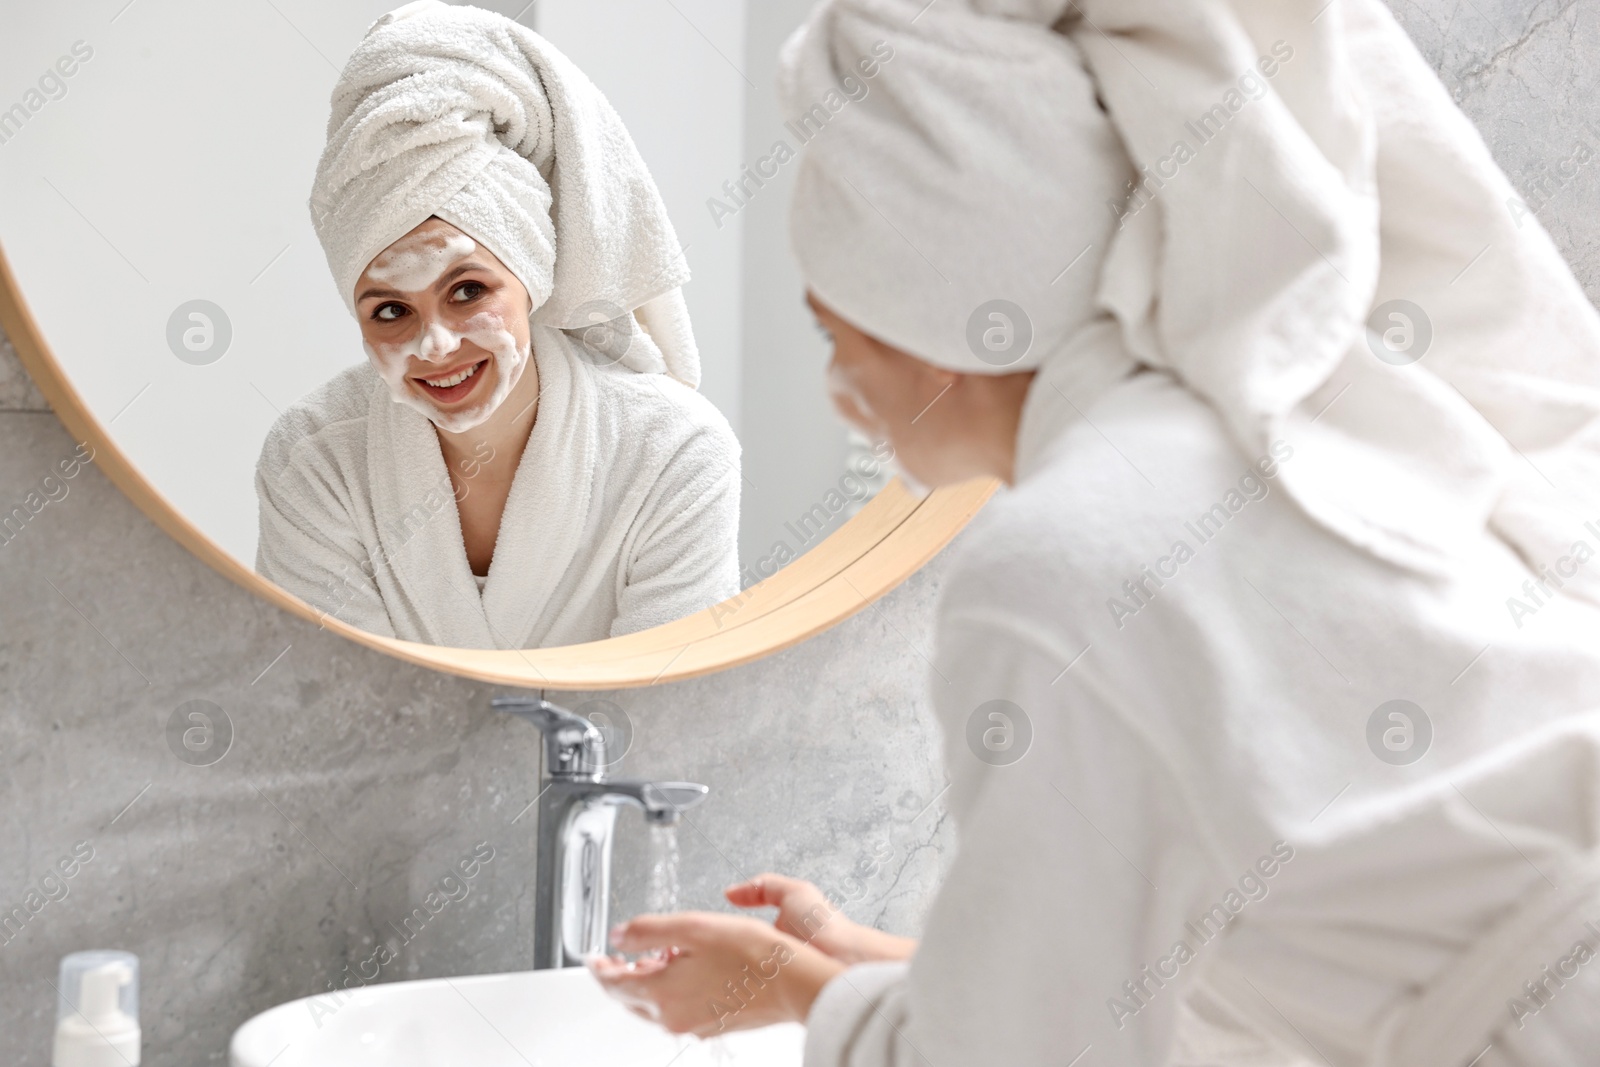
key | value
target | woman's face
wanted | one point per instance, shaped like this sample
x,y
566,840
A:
x,y
445,324
892,396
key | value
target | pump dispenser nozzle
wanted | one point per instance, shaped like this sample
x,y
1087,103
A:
x,y
97,1013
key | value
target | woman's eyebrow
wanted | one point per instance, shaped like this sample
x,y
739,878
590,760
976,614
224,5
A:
x,y
456,272
448,277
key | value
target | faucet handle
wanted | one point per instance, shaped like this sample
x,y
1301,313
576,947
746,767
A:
x,y
543,714
573,746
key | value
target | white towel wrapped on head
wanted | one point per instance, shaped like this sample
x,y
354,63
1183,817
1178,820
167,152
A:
x,y
463,114
976,168
1254,263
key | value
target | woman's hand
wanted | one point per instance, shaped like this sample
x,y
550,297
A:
x,y
718,972
805,914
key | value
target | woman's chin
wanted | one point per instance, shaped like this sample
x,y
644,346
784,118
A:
x,y
465,419
461,421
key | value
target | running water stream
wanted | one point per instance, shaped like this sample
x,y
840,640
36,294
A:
x,y
662,895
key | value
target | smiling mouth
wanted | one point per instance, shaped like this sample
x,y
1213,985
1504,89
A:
x,y
448,388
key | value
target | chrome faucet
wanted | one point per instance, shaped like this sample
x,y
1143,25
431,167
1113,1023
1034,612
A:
x,y
577,814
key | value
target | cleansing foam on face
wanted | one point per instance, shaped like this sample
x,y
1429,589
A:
x,y
413,265
97,1010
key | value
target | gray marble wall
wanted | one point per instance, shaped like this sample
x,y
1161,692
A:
x,y
353,784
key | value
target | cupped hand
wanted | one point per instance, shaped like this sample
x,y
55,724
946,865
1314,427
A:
x,y
805,914
717,972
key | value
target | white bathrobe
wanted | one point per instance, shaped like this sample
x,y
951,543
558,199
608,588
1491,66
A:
x,y
1214,850
623,514
1214,724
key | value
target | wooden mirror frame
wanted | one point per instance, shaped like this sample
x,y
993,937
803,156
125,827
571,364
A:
x,y
879,547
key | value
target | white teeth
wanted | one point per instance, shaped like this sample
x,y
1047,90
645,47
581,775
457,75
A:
x,y
454,379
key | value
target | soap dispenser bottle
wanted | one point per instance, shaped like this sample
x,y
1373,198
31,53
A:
x,y
97,1012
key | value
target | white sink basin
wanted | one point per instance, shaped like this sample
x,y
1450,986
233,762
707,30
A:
x,y
529,1019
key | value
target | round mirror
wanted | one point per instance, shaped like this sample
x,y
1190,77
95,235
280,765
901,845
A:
x,y
558,418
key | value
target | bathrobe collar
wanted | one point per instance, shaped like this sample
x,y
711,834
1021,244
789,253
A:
x,y
1065,387
419,528
548,507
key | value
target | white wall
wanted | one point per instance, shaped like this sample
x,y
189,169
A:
x,y
800,452
165,174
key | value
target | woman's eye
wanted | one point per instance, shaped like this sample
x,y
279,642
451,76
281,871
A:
x,y
389,312
467,291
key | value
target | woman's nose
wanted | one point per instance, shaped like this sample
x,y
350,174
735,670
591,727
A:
x,y
438,343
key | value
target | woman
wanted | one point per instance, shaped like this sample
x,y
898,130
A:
x,y
524,460
1269,685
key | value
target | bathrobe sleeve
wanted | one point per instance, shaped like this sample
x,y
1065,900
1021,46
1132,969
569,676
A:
x,y
309,545
1069,859
685,545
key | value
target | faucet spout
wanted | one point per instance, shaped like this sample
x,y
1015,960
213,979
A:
x,y
663,803
577,816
